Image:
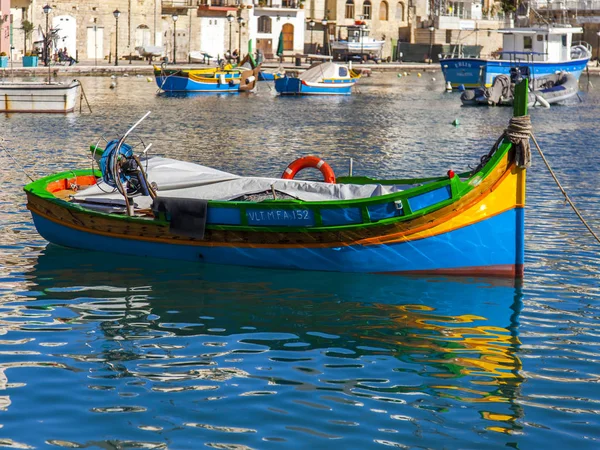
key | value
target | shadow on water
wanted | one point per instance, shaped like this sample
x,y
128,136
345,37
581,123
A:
x,y
413,347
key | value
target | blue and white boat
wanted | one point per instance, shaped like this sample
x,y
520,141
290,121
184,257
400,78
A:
x,y
543,50
327,78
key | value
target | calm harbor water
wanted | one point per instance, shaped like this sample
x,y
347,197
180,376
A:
x,y
105,351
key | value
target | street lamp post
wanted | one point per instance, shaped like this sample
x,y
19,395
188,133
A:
x,y
431,30
47,10
598,50
230,19
174,17
311,24
362,29
324,23
240,20
116,13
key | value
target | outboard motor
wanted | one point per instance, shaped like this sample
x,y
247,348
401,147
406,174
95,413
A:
x,y
119,167
518,73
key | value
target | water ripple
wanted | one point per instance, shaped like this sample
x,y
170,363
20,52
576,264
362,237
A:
x,y
185,352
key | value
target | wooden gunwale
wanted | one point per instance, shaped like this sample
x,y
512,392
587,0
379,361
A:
x,y
75,216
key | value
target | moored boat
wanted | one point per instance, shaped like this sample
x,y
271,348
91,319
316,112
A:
x,y
215,79
39,97
469,223
545,91
326,78
542,50
358,42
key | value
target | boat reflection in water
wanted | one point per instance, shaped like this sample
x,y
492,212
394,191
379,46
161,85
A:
x,y
417,346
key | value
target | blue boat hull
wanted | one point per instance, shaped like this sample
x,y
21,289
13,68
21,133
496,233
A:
x,y
266,76
496,242
473,72
295,86
175,83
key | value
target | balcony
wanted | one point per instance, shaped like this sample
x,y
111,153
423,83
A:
x,y
218,5
277,4
177,6
581,6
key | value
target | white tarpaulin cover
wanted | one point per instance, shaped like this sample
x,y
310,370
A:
x,y
325,70
180,179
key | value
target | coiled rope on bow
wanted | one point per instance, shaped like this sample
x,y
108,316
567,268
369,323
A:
x,y
519,131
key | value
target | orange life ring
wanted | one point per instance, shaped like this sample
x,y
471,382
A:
x,y
309,161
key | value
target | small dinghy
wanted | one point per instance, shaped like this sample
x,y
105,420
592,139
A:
x,y
39,97
545,91
326,78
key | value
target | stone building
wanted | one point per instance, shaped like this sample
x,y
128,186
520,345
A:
x,y
91,32
5,26
88,28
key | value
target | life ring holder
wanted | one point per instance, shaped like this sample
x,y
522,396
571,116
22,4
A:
x,y
309,161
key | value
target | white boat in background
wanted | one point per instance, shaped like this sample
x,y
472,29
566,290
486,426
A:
x,y
149,50
358,42
39,97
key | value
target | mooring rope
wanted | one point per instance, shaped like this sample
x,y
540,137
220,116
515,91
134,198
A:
x,y
2,147
567,199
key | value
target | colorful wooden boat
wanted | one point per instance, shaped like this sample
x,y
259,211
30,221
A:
x,y
542,50
327,78
470,223
39,97
215,79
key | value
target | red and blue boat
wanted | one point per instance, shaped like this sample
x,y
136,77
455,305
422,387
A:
x,y
469,223
326,78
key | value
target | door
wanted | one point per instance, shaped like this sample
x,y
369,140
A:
x,y
95,38
143,36
266,47
65,34
288,36
212,37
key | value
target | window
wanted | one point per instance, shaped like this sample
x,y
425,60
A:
x,y
400,12
383,11
367,10
527,43
264,24
349,9
343,72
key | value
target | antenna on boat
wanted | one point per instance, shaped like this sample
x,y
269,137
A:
x,y
133,128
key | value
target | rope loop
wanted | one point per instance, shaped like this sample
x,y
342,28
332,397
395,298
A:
x,y
518,132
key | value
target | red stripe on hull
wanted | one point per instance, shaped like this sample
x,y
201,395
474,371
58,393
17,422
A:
x,y
501,271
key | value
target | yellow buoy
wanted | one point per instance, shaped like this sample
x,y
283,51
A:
x,y
419,74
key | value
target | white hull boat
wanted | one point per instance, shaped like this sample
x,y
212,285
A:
x,y
367,46
38,97
358,42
